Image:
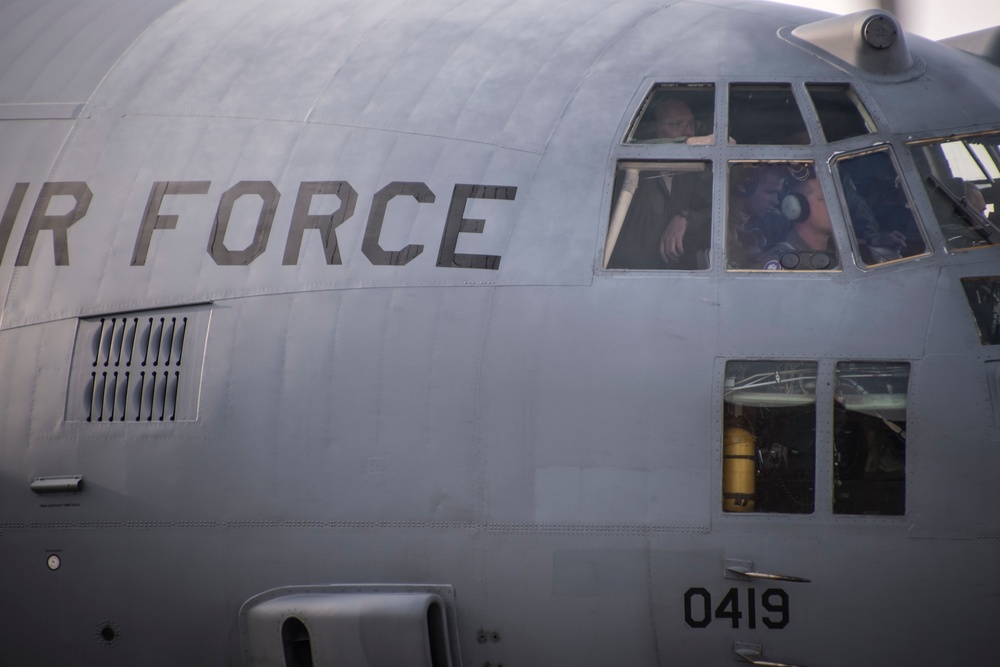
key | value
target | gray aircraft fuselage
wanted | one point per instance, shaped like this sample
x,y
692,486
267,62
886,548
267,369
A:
x,y
315,349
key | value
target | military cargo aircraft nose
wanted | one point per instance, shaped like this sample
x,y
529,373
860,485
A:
x,y
496,332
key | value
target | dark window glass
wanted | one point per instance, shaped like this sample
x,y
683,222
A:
x,y
882,219
661,216
870,438
769,437
961,178
984,300
765,114
675,114
841,113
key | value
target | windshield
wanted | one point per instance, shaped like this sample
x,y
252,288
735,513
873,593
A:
x,y
960,176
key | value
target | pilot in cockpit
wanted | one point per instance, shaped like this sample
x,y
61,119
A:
x,y
675,123
753,221
809,244
660,197
975,199
881,217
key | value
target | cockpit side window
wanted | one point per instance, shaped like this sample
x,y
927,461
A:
x,y
675,114
765,114
661,216
983,294
961,178
777,218
881,213
870,438
769,437
841,113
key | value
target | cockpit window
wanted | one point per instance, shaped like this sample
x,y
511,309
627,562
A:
x,y
984,301
870,438
777,218
840,112
961,180
675,114
661,216
881,213
765,114
769,437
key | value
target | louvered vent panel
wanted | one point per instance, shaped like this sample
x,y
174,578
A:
x,y
139,367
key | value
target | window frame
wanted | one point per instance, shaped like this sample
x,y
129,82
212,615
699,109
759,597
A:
x,y
904,176
650,94
625,165
924,196
828,192
852,93
824,485
720,154
797,98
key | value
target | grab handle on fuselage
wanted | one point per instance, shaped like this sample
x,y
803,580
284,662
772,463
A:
x,y
743,569
751,653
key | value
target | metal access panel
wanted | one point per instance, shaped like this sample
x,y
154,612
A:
x,y
138,367
353,626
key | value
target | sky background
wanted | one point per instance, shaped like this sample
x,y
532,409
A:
x,y
934,19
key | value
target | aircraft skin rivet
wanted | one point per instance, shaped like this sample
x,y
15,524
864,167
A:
x,y
482,637
53,562
495,637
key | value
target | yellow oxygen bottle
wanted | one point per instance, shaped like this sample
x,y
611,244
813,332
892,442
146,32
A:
x,y
738,470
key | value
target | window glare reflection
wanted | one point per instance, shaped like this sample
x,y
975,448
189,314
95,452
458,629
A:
x,y
870,438
960,177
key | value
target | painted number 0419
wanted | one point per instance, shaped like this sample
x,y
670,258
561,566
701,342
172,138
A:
x,y
773,603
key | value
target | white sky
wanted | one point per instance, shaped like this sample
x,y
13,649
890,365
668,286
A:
x,y
934,19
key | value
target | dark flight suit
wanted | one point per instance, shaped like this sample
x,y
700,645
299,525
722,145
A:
x,y
653,205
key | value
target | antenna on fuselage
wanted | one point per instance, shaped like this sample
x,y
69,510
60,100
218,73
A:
x,y
872,41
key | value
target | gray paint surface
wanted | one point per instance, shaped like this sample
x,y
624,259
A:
x,y
545,438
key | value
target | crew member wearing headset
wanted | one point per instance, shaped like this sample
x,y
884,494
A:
x,y
809,245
